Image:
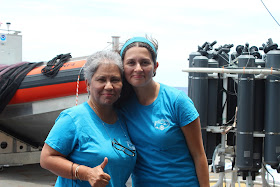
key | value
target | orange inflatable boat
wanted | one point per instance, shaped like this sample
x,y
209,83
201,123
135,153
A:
x,y
37,86
38,101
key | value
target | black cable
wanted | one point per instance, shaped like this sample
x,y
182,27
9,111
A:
x,y
54,65
270,13
229,92
269,174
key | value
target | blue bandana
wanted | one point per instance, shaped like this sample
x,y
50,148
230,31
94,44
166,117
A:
x,y
138,39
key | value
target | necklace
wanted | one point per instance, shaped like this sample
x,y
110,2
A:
x,y
98,114
115,143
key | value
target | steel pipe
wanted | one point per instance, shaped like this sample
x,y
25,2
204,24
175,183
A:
x,y
238,71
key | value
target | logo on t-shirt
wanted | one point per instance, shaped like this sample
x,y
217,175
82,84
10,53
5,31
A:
x,y
161,124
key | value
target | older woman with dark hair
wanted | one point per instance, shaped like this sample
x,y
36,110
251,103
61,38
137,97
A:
x,y
89,144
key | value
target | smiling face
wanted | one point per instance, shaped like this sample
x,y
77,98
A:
x,y
139,67
106,85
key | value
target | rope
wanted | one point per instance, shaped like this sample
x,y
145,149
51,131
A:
x,y
53,66
77,90
78,83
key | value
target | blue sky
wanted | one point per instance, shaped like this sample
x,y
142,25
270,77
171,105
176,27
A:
x,y
52,27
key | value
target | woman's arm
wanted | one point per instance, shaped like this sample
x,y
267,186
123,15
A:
x,y
193,138
56,162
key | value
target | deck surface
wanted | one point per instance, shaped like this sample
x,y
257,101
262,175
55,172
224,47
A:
x,y
34,176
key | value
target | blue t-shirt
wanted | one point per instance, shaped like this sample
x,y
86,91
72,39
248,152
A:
x,y
163,157
79,134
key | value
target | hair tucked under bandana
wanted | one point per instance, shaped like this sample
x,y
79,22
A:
x,y
138,39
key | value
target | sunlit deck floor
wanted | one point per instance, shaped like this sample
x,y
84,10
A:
x,y
33,175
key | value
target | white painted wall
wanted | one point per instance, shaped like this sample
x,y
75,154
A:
x,y
10,48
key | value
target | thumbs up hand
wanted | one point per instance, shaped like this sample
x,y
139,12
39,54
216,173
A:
x,y
104,163
97,177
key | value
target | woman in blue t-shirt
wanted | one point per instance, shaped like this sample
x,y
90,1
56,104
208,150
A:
x,y
162,122
89,144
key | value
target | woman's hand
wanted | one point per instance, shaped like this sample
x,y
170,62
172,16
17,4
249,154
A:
x,y
57,163
96,176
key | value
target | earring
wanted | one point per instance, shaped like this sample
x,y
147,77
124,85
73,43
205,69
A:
x,y
154,74
88,94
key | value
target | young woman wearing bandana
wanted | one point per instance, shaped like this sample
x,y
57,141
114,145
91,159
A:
x,y
162,122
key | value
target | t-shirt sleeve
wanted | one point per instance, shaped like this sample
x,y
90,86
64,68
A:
x,y
185,110
62,135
